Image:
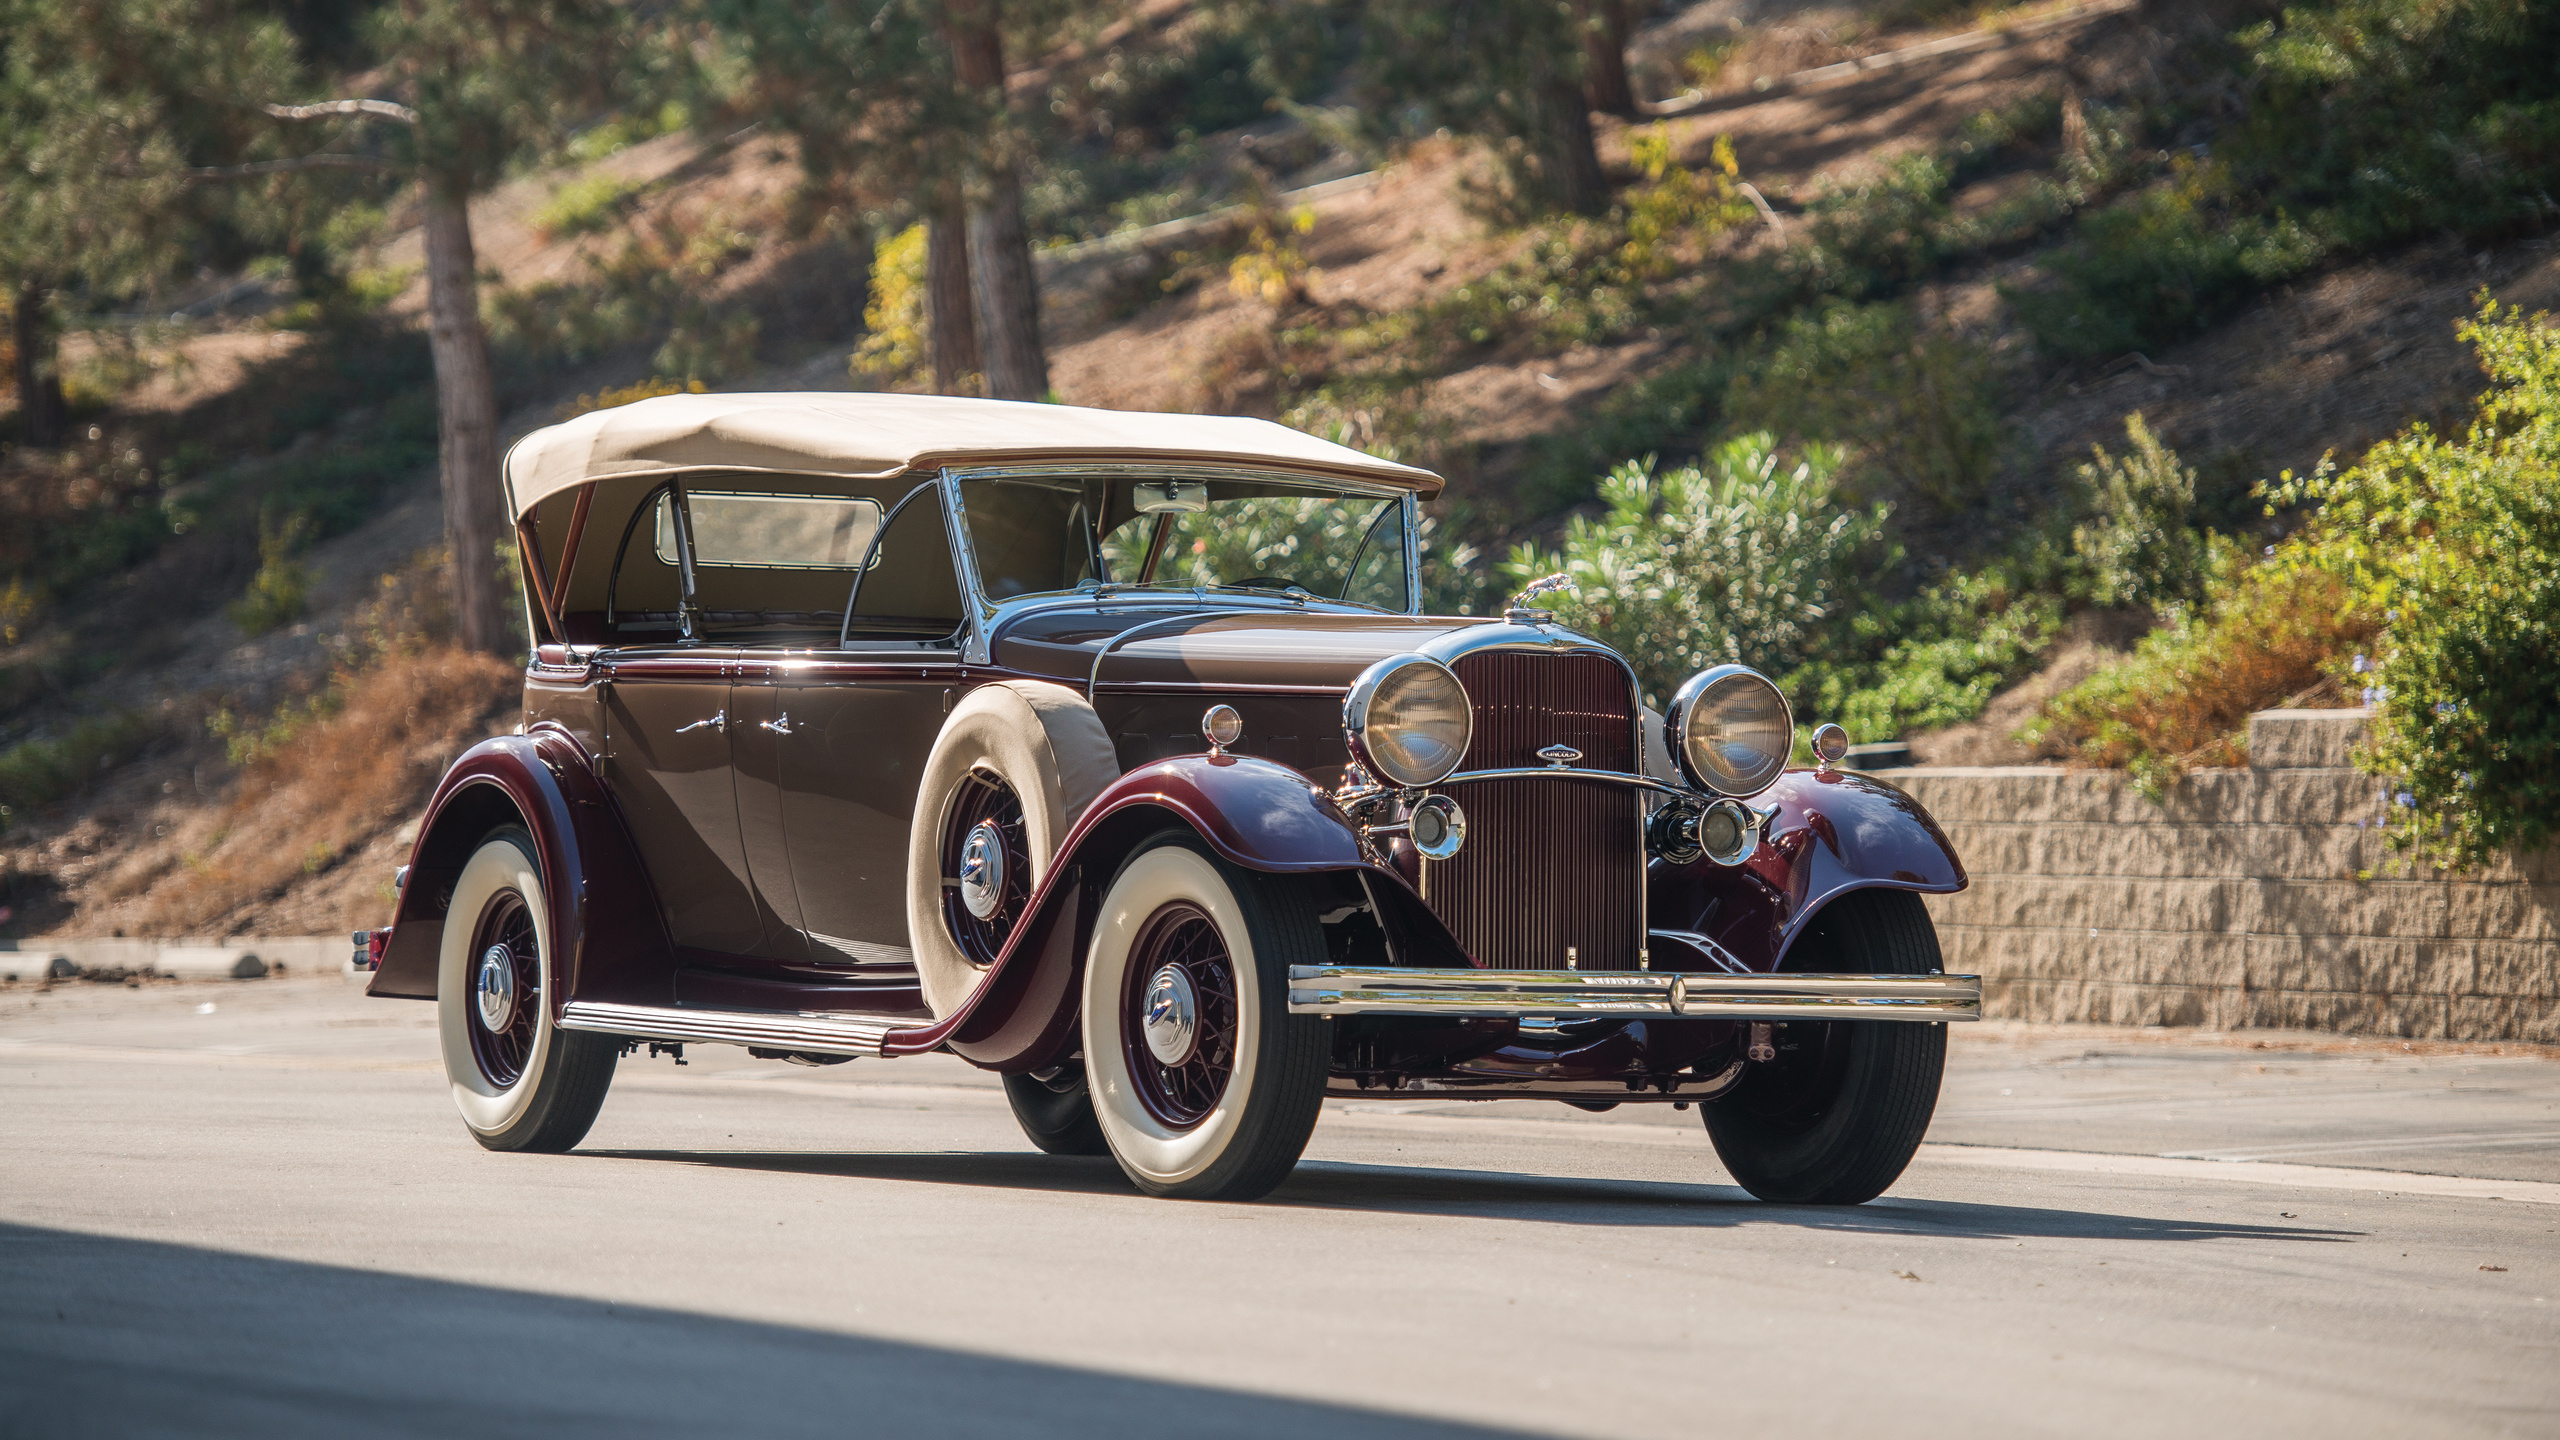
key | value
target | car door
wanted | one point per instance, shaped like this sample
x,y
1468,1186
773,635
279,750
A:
x,y
860,732
759,728
863,720
667,761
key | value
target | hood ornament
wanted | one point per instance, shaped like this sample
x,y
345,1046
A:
x,y
1559,756
1519,612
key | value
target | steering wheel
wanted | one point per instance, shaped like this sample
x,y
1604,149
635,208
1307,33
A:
x,y
1268,582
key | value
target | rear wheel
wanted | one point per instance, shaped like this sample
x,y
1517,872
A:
x,y
1206,1087
520,1082
1055,1109
1835,1118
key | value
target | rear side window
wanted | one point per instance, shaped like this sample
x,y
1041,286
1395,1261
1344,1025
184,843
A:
x,y
772,532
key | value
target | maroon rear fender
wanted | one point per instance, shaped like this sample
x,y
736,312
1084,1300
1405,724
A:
x,y
1833,833
607,941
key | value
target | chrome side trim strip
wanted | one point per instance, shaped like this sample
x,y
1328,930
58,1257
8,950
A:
x,y
1591,994
816,1034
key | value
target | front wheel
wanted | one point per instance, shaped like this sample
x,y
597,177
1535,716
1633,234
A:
x,y
1205,1085
520,1081
1835,1118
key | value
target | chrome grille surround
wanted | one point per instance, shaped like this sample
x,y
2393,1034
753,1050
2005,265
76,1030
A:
x,y
1553,872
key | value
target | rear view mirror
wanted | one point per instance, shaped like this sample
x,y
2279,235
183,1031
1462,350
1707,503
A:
x,y
1170,497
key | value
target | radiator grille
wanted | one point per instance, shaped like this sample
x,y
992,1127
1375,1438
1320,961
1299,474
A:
x,y
1548,864
1526,701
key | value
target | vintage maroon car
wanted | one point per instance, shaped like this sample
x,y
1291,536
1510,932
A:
x,y
1110,752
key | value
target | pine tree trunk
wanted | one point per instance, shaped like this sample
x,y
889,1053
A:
x,y
475,509
1604,57
950,330
1008,293
44,421
1572,158
1001,276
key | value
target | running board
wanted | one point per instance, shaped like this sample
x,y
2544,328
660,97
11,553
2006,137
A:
x,y
866,1035
1595,994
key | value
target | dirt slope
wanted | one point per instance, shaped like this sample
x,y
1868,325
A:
x,y
163,844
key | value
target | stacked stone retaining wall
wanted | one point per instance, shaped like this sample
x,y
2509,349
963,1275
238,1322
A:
x,y
2263,896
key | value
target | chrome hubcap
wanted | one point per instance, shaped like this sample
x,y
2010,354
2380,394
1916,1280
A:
x,y
982,869
1172,1016
496,988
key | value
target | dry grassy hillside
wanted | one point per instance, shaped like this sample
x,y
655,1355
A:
x,y
232,783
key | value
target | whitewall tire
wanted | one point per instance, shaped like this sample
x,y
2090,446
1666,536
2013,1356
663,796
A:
x,y
1015,764
1205,1085
520,1082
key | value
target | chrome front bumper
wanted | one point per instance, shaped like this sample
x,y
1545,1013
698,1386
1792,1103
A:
x,y
1604,994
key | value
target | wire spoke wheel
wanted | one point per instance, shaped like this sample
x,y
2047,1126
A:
x,y
506,984
1180,1016
986,866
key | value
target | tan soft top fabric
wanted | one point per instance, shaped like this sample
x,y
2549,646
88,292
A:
x,y
872,436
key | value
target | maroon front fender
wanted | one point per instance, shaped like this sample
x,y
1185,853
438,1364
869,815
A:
x,y
607,941
1256,813
1833,834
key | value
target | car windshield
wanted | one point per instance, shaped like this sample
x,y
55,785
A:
x,y
1056,534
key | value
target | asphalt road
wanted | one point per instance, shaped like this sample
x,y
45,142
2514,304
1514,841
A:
x,y
249,1208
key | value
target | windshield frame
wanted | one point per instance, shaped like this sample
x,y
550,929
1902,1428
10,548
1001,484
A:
x,y
987,613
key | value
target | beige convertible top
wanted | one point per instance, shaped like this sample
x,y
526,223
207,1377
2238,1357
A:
x,y
872,436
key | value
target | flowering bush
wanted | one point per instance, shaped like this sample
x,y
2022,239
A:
x,y
2455,544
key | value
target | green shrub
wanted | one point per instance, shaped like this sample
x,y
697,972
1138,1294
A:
x,y
2139,543
2161,264
1734,559
2456,545
1673,410
41,771
589,205
1931,661
280,592
2368,123
894,318
1919,411
2269,631
2383,120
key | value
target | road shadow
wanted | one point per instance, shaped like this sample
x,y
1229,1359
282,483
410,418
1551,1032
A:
x,y
106,1336
1504,1195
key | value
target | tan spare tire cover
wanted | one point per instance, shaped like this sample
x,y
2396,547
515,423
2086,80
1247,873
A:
x,y
1046,743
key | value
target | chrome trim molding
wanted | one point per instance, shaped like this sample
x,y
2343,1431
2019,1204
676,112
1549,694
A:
x,y
816,1034
1500,994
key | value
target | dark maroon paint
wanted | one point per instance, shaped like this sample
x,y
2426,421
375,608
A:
x,y
605,935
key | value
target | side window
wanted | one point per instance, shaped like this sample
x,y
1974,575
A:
x,y
1030,536
772,532
767,569
910,593
1377,573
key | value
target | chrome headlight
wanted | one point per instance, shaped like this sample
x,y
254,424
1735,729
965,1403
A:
x,y
1408,719
1730,730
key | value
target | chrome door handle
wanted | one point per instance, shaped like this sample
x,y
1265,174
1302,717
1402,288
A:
x,y
779,726
719,721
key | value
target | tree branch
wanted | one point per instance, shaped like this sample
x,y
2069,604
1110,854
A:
x,y
285,167
326,108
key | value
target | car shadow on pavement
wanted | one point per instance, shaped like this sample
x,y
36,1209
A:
x,y
109,1336
1507,1195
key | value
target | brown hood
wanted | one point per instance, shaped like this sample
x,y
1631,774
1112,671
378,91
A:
x,y
1314,651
